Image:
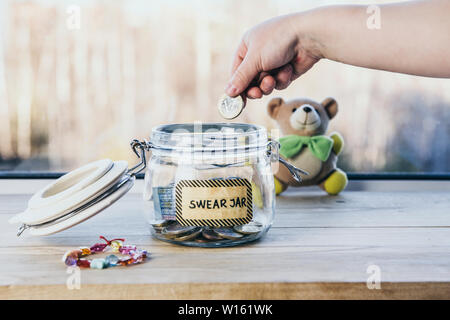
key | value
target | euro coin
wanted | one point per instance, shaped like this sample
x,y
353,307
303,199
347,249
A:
x,y
161,223
177,230
250,228
228,233
189,235
230,108
211,235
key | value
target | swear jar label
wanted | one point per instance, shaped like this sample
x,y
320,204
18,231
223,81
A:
x,y
215,203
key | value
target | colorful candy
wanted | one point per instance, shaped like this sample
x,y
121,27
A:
x,y
98,247
127,249
70,258
112,260
135,256
98,264
85,251
83,263
116,245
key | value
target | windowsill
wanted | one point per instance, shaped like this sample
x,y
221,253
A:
x,y
30,186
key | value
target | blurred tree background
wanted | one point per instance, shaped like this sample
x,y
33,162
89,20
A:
x,y
72,93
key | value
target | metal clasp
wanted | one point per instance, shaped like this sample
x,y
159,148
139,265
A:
x,y
22,228
139,148
274,155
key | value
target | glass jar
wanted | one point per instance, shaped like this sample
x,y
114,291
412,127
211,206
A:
x,y
210,185
205,185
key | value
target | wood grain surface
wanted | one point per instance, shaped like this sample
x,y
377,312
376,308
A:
x,y
319,247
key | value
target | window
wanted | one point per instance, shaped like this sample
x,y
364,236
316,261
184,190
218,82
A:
x,y
80,79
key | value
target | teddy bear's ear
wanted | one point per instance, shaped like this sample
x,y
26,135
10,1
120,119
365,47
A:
x,y
274,106
331,107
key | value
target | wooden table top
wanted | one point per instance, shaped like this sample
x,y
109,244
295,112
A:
x,y
319,247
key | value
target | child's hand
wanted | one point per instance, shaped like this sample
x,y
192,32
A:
x,y
270,56
412,37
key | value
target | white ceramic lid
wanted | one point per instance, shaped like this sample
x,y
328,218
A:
x,y
75,197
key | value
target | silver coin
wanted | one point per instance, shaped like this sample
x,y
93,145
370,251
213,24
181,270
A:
x,y
211,235
230,108
161,223
189,236
250,228
228,233
158,229
177,230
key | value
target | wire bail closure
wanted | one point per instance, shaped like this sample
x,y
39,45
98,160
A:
x,y
22,228
273,148
139,148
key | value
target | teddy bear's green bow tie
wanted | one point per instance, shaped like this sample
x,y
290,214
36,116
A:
x,y
320,146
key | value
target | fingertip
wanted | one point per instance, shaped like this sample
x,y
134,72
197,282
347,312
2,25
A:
x,y
231,90
267,85
254,93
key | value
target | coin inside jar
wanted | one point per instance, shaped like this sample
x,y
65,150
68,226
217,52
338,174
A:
x,y
161,223
211,235
189,235
228,233
230,108
250,228
177,230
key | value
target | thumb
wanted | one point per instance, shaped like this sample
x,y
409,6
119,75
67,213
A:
x,y
242,76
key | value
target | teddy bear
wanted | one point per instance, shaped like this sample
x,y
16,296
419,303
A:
x,y
303,124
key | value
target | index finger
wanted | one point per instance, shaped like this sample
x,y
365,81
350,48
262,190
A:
x,y
239,56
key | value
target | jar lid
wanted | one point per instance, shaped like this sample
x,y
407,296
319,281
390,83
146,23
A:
x,y
75,197
206,137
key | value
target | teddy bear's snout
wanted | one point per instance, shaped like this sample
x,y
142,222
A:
x,y
305,117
